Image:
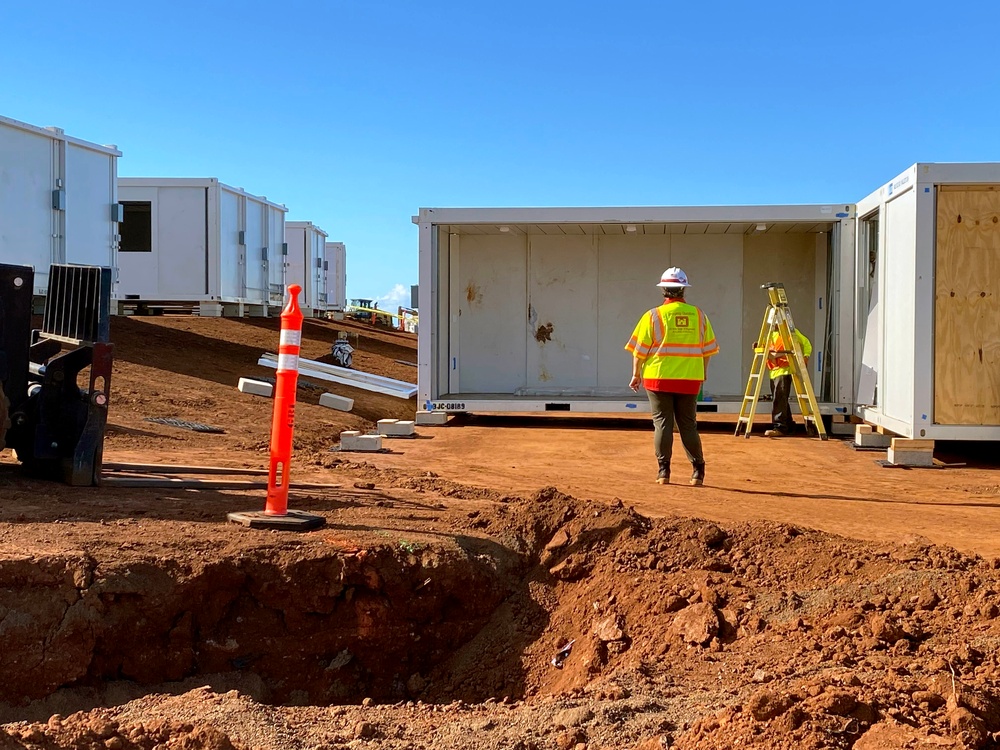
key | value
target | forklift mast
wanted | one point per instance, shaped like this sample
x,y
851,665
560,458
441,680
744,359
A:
x,y
55,424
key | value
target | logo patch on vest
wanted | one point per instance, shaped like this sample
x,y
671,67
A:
x,y
682,321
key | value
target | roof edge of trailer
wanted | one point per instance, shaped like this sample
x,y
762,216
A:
x,y
151,182
59,135
928,174
305,225
636,214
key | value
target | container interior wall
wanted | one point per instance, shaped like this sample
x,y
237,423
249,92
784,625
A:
x,y
967,306
90,194
897,307
791,260
27,172
548,315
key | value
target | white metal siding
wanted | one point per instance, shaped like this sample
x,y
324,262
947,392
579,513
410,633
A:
x,y
231,253
26,184
91,188
336,277
256,241
275,260
489,301
897,310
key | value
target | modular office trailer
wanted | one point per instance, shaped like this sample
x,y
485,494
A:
x,y
198,241
58,200
336,276
927,321
529,309
305,264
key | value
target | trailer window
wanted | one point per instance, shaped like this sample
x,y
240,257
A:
x,y
136,228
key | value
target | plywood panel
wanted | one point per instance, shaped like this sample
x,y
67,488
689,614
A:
x,y
967,308
629,268
782,257
492,303
714,265
896,375
562,316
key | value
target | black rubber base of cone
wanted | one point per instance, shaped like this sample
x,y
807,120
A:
x,y
296,520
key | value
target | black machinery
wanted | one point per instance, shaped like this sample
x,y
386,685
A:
x,y
54,423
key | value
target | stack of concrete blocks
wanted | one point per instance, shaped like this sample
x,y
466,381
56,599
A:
x,y
866,437
396,428
255,387
841,425
333,401
904,452
352,440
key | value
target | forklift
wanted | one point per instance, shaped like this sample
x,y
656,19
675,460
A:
x,y
55,380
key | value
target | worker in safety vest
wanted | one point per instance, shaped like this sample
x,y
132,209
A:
x,y
778,352
670,349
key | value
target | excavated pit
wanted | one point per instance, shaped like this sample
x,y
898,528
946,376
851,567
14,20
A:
x,y
319,627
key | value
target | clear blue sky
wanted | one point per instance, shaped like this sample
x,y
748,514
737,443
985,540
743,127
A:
x,y
355,113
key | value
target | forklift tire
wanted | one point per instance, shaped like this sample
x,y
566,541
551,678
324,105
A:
x,y
4,417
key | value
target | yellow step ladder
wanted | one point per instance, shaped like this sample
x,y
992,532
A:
x,y
778,317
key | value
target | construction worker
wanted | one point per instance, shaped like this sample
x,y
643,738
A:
x,y
670,347
781,381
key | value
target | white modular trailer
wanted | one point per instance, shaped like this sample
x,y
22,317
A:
x,y
335,268
928,303
200,241
58,199
305,264
529,309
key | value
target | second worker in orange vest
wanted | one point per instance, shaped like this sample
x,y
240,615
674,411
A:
x,y
670,347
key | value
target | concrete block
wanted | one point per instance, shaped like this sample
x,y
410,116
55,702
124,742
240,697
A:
x,y
395,428
333,401
432,418
870,439
842,428
255,387
352,440
910,458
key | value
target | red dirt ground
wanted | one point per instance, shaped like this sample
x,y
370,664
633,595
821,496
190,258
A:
x,y
805,597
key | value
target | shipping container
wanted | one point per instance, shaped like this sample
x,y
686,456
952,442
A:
x,y
529,309
58,200
927,319
305,264
198,242
336,276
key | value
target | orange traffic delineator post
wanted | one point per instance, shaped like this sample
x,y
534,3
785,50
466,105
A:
x,y
276,514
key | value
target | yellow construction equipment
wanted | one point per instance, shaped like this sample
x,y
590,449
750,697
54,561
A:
x,y
778,317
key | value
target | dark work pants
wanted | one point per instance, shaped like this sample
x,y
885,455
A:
x,y
668,408
781,411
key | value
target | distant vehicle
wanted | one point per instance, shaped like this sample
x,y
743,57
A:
x,y
366,311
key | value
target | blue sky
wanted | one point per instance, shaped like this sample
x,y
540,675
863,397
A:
x,y
356,113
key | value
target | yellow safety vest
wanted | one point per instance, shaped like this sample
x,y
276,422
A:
x,y
673,340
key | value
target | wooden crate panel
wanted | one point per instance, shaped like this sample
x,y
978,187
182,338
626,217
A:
x,y
967,307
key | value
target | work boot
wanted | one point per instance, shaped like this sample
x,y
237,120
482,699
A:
x,y
698,475
663,476
776,432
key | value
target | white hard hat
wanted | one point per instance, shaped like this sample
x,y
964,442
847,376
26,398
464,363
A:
x,y
673,278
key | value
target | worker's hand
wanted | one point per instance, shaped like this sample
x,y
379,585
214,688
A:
x,y
634,383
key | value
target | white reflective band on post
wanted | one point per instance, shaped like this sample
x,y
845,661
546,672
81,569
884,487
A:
x,y
288,361
291,338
